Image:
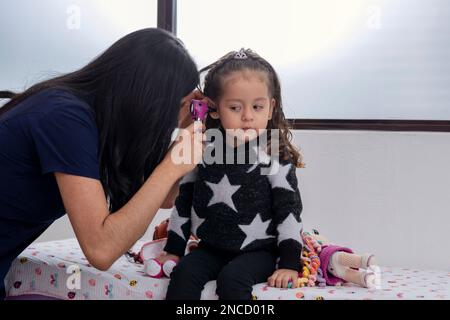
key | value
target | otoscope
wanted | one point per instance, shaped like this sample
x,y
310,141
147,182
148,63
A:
x,y
199,109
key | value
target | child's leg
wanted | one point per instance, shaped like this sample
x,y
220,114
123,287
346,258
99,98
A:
x,y
190,275
359,277
353,260
236,279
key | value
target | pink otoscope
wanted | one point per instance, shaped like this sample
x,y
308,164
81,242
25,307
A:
x,y
199,110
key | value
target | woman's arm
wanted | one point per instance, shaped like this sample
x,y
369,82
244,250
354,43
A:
x,y
169,202
104,237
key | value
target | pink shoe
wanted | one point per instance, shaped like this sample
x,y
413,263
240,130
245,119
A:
x,y
168,267
153,268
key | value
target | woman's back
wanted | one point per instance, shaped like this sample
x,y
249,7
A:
x,y
51,131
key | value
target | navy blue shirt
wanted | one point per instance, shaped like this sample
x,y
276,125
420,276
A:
x,y
51,131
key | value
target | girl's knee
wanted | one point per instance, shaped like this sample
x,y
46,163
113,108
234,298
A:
x,y
183,285
181,273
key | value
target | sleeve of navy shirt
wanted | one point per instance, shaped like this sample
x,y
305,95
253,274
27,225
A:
x,y
65,139
50,131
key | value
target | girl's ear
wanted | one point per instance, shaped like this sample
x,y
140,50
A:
x,y
272,106
213,113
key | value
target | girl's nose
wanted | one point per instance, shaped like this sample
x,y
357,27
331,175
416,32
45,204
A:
x,y
247,115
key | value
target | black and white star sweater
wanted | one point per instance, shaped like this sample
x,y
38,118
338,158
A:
x,y
234,207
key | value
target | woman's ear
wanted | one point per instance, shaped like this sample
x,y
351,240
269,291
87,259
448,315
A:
x,y
272,106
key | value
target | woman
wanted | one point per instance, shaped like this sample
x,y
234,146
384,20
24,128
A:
x,y
95,142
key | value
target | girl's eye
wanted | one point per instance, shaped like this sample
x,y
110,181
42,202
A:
x,y
235,108
258,107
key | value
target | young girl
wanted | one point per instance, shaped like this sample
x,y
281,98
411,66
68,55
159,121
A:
x,y
248,222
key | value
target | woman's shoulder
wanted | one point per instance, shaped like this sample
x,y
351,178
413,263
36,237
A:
x,y
53,111
58,106
48,103
57,99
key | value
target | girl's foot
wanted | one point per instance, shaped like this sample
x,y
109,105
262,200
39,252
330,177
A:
x,y
168,267
153,268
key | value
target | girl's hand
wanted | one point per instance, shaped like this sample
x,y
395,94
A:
x,y
184,117
281,277
187,150
164,256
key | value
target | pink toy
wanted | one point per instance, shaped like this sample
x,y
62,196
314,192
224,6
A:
x,y
339,264
151,250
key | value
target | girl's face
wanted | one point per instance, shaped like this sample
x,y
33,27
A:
x,y
245,103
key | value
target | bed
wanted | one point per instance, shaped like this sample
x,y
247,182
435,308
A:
x,y
59,270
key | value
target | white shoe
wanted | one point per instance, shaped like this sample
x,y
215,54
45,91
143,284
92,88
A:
x,y
367,260
370,280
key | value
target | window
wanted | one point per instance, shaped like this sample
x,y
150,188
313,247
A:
x,y
352,59
40,39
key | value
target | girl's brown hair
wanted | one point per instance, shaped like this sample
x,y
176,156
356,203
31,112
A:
x,y
213,89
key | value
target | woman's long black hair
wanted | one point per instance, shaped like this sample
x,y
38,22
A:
x,y
135,89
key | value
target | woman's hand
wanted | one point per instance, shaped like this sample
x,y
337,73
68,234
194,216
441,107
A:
x,y
281,277
187,150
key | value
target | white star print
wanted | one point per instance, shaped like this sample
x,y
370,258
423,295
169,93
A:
x,y
262,157
256,230
222,192
175,223
196,221
279,180
290,229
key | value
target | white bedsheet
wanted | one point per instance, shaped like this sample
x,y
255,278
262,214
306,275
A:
x,y
45,268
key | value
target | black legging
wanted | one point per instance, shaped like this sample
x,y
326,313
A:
x,y
235,274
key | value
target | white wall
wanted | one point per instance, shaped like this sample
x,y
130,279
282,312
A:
x,y
381,192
